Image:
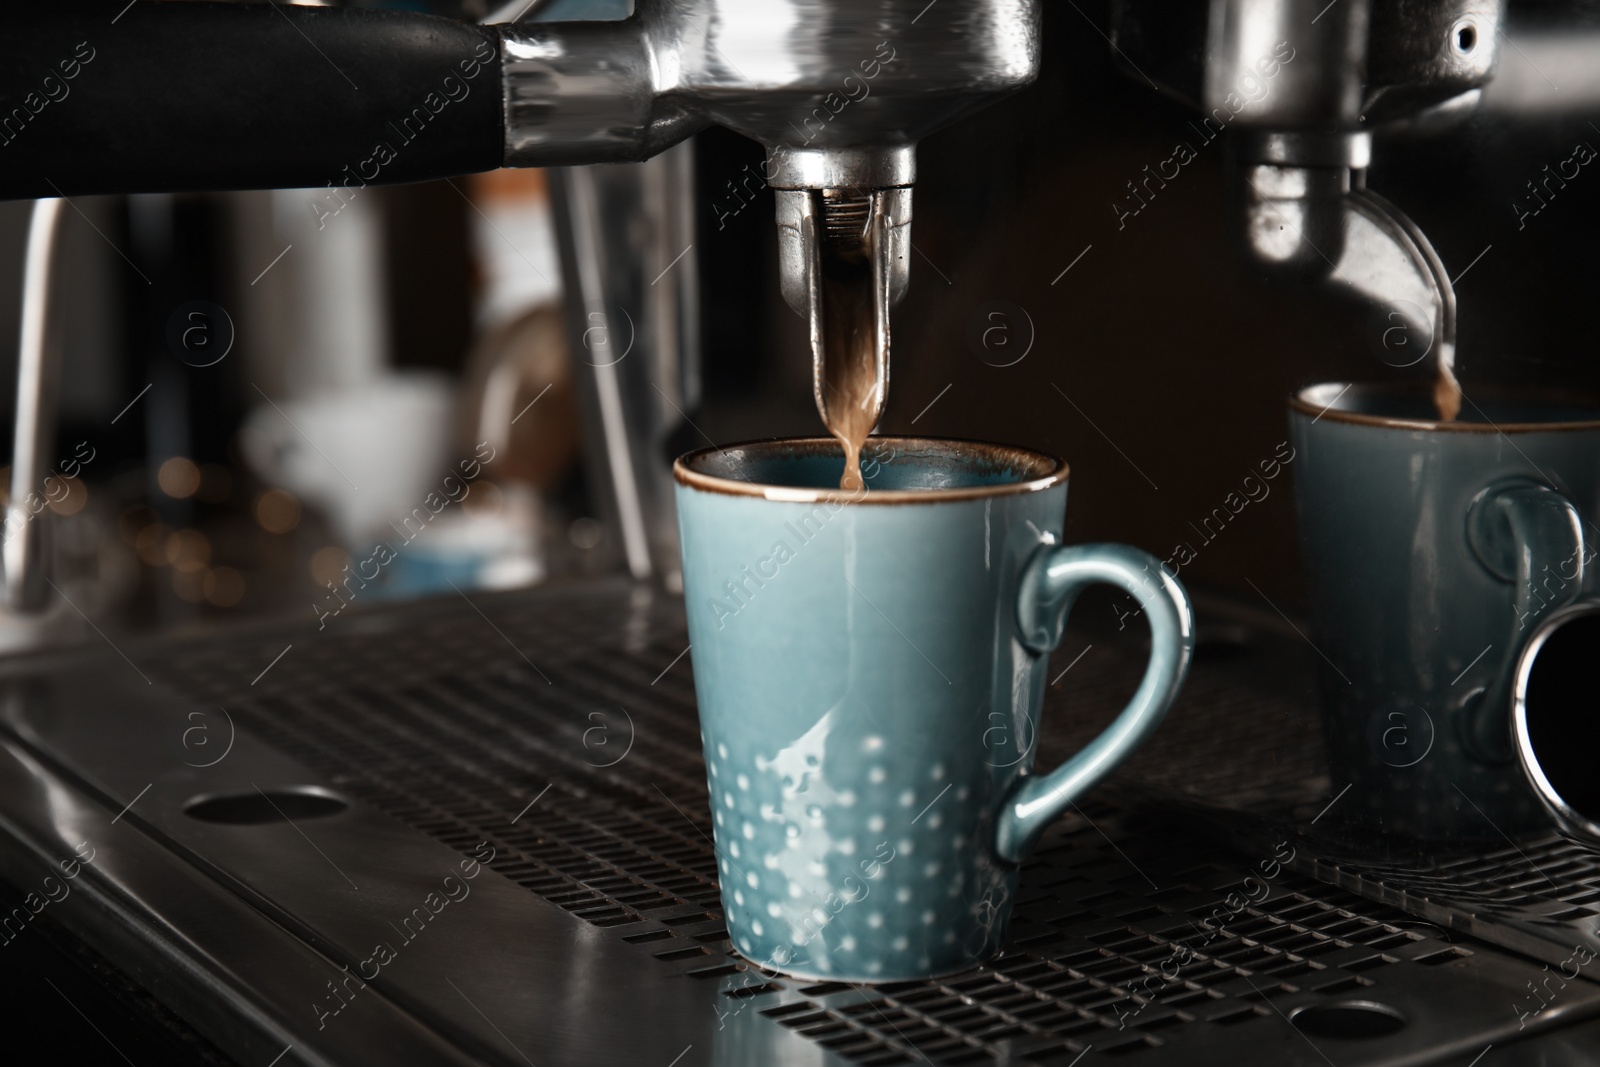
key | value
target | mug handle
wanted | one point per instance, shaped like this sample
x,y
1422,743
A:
x,y
1519,530
1050,584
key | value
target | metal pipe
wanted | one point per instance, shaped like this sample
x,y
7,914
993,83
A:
x,y
587,294
38,376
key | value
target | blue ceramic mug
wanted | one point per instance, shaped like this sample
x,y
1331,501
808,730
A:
x,y
1434,551
854,655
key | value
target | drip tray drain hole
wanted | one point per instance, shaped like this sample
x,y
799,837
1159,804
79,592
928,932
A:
x,y
1357,1019
256,807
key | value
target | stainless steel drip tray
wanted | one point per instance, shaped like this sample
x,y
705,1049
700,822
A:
x,y
464,965
283,825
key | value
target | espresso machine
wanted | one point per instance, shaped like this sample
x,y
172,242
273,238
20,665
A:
x,y
839,108
474,829
1300,120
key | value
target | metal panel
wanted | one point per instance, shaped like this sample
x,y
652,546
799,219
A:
x,y
558,727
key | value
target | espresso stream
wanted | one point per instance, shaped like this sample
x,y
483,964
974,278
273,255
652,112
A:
x,y
850,373
1447,391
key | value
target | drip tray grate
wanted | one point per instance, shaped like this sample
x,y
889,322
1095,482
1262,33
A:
x,y
560,727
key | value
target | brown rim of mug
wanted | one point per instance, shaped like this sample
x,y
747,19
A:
x,y
1298,402
1046,472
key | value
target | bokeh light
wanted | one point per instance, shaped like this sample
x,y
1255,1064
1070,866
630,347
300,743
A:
x,y
178,478
277,511
223,587
327,565
188,550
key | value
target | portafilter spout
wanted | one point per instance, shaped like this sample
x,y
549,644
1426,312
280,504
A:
x,y
849,217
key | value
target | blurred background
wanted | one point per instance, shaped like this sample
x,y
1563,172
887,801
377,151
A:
x,y
274,384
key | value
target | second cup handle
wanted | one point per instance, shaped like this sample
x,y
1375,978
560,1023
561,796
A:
x,y
1519,531
1050,584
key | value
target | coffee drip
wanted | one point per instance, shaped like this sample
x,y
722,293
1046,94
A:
x,y
1446,386
1447,391
854,375
850,369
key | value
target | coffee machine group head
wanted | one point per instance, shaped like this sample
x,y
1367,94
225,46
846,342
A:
x,y
838,92
1299,87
